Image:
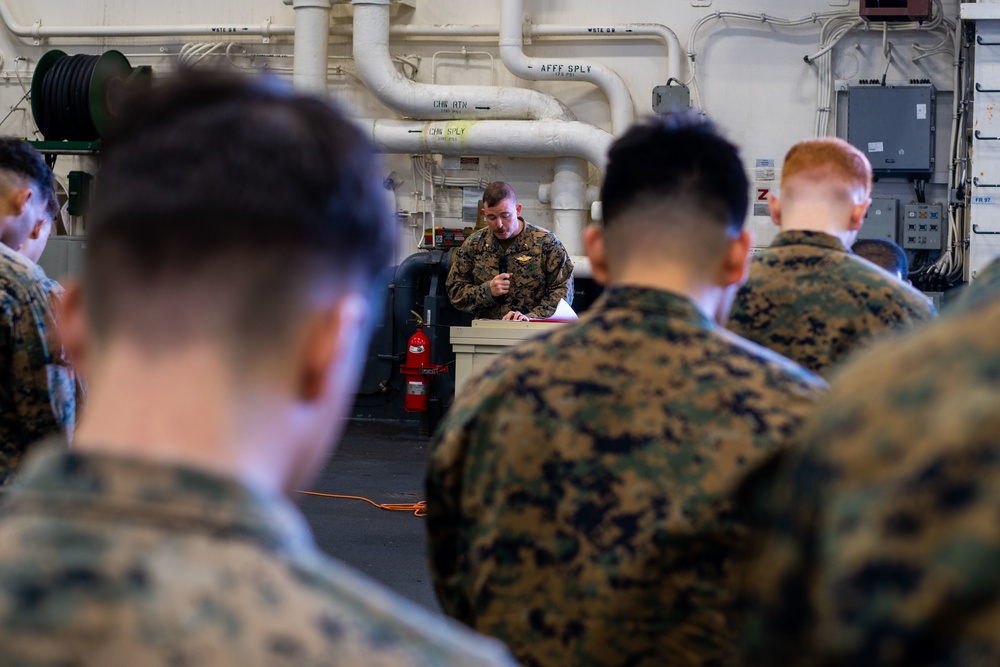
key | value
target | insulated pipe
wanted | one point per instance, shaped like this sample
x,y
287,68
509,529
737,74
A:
x,y
568,194
312,44
608,32
376,70
549,69
267,30
658,30
508,138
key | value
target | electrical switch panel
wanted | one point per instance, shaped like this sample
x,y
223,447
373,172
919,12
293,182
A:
x,y
881,220
923,226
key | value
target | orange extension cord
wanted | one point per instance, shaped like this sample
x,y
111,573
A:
x,y
418,508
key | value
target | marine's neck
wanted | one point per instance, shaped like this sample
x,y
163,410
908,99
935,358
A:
x,y
183,408
819,219
712,300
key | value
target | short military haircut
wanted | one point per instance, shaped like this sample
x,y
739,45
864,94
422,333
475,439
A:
x,y
496,192
827,161
18,159
223,204
678,160
884,253
52,208
674,186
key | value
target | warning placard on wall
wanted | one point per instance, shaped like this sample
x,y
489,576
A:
x,y
765,178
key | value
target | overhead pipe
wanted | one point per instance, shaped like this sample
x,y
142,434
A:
x,y
429,101
312,44
675,56
506,138
561,69
37,31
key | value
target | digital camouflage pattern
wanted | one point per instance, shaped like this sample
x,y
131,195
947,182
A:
x,y
980,291
541,274
887,538
580,490
107,561
812,300
37,385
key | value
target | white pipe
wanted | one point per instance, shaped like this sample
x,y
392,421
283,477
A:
x,y
663,33
484,137
376,70
37,31
568,194
549,69
613,32
312,44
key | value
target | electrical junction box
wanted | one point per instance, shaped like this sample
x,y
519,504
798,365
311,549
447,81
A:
x,y
895,10
923,226
881,220
894,127
669,98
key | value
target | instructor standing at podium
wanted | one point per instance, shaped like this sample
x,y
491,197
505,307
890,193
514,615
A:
x,y
509,270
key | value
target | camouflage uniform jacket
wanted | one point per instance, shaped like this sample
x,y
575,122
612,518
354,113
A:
x,y
983,289
109,561
812,300
580,491
887,539
541,274
37,385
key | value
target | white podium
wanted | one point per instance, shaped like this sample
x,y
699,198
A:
x,y
477,346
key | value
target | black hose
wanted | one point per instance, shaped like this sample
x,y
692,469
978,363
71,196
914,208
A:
x,y
66,99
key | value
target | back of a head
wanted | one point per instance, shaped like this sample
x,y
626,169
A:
x,y
221,203
674,189
829,166
884,253
21,166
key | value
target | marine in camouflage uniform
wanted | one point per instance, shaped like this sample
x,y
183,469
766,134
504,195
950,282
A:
x,y
886,537
37,385
812,300
541,274
580,491
165,537
134,563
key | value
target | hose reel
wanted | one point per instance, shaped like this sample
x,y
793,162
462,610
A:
x,y
77,98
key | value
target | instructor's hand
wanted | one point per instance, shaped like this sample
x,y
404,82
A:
x,y
500,284
515,316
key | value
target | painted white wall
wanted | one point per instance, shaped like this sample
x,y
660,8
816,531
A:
x,y
752,77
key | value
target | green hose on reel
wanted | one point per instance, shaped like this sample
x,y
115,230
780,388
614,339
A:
x,y
76,98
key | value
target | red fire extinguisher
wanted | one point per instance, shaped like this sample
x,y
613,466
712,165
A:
x,y
418,370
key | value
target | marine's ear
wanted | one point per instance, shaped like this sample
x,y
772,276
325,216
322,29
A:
x,y
736,260
774,208
593,243
72,320
330,341
858,212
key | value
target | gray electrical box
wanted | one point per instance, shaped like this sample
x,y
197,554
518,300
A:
x,y
881,220
894,127
923,225
670,98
